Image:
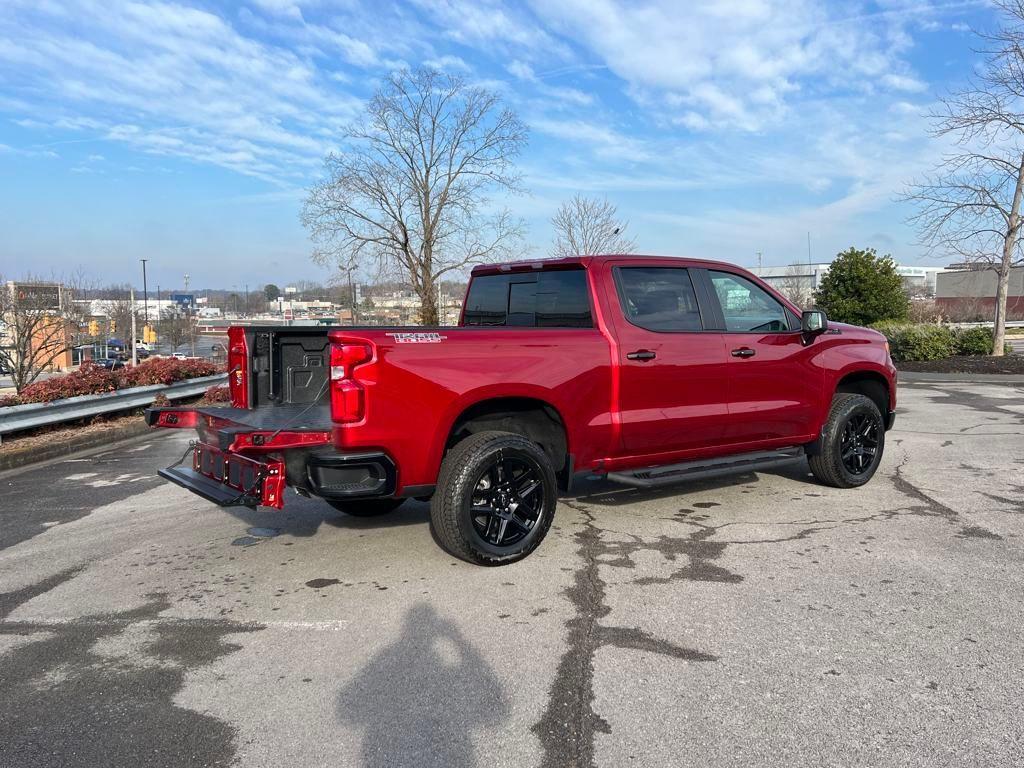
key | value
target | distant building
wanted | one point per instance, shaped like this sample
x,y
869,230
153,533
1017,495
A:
x,y
37,311
804,279
970,294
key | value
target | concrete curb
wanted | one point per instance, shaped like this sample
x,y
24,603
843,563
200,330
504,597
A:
x,y
923,377
21,457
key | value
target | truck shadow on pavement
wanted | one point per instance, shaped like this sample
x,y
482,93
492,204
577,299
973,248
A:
x,y
420,699
607,493
303,517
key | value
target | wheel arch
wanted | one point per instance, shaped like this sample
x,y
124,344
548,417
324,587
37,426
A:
x,y
533,417
871,384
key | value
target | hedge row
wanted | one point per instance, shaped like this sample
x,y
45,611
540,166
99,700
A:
x,y
91,379
925,341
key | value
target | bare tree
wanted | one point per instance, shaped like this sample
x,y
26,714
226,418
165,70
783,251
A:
x,y
797,286
971,205
36,329
586,226
177,328
119,312
408,190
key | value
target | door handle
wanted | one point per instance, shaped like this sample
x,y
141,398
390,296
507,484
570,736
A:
x,y
641,354
743,352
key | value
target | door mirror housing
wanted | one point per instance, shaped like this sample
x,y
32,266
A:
x,y
813,322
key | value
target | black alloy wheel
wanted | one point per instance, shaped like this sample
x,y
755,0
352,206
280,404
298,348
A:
x,y
859,442
507,501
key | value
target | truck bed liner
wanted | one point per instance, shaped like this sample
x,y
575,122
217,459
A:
x,y
294,418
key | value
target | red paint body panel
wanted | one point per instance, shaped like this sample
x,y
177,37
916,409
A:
x,y
415,391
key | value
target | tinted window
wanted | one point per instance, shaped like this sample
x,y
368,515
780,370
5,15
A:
x,y
658,298
555,299
746,306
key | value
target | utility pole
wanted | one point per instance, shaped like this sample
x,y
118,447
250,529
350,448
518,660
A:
x,y
135,354
352,298
246,299
758,259
808,249
145,293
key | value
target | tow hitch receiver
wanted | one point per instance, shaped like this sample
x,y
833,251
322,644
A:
x,y
229,479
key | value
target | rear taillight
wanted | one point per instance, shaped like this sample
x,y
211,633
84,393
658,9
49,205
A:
x,y
347,395
238,367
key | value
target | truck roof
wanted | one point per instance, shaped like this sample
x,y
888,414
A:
x,y
585,261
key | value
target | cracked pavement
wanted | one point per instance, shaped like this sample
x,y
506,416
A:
x,y
753,620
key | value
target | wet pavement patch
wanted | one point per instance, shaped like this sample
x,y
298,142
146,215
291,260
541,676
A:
x,y
64,703
321,583
245,541
264,533
977,532
567,727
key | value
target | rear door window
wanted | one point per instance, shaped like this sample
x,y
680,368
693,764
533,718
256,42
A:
x,y
658,298
553,299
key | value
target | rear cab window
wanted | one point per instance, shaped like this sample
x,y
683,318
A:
x,y
549,299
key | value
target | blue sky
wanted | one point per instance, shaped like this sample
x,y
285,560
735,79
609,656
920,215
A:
x,y
186,132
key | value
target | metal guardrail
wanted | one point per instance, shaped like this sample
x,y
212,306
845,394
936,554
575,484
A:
x,y
16,418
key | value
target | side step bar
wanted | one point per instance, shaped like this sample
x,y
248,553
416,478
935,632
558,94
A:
x,y
653,477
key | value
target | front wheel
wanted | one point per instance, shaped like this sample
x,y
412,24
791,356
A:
x,y
852,441
495,498
366,507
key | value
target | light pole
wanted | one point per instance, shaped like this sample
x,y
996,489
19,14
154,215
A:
x,y
145,293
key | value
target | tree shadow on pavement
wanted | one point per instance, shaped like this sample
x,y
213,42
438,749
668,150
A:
x,y
420,699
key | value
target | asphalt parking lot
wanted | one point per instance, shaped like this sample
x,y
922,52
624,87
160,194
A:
x,y
758,620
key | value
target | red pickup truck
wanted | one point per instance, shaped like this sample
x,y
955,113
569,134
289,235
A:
x,y
643,370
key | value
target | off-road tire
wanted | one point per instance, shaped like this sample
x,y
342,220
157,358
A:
x,y
366,507
461,470
827,465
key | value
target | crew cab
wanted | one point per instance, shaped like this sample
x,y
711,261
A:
x,y
643,370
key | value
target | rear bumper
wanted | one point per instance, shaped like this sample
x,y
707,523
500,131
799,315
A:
x,y
232,479
351,475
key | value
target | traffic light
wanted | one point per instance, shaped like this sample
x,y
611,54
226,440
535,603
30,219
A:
x,y
113,325
148,335
94,328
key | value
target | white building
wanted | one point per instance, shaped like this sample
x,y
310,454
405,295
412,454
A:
x,y
803,279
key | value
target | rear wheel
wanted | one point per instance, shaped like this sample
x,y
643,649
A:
x,y
365,507
852,441
495,498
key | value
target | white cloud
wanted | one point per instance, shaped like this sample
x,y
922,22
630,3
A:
x,y
903,83
448,63
177,81
521,69
715,64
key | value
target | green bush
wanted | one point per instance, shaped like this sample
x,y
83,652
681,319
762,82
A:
x,y
918,342
862,288
973,341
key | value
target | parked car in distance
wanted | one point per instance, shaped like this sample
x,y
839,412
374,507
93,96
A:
x,y
110,363
643,370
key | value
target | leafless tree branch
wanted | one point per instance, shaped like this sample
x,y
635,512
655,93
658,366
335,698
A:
x,y
408,192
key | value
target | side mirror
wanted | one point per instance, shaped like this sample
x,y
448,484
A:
x,y
813,322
